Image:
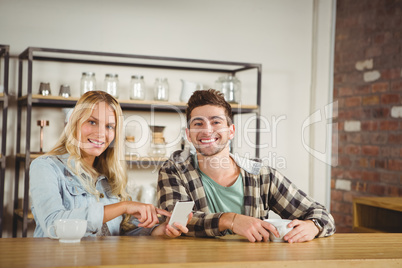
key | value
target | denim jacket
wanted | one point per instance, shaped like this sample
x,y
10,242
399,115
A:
x,y
56,193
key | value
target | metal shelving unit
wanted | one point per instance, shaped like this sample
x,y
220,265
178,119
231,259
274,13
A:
x,y
28,101
5,54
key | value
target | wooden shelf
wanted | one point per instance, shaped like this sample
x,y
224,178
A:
x,y
392,203
377,214
146,105
360,229
33,156
50,97
19,212
144,160
48,101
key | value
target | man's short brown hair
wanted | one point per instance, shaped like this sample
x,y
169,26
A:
x,y
208,97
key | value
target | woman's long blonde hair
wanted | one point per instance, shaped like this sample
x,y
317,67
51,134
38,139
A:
x,y
110,163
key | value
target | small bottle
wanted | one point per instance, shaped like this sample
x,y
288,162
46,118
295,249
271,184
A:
x,y
111,84
184,144
137,87
88,82
161,89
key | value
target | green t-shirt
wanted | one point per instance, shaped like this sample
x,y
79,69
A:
x,y
221,198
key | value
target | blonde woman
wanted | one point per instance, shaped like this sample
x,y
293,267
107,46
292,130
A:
x,y
84,177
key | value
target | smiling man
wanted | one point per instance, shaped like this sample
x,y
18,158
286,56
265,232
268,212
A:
x,y
233,194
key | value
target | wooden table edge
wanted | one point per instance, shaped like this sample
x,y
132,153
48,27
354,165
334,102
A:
x,y
355,263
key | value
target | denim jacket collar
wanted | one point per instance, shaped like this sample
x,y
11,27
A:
x,y
64,159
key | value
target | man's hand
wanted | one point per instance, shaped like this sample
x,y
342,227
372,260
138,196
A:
x,y
302,231
166,229
251,228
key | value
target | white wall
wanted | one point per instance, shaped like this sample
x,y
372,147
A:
x,y
279,34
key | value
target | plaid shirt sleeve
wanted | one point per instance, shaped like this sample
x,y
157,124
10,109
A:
x,y
180,181
283,197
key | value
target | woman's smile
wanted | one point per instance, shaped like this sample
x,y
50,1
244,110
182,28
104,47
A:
x,y
96,142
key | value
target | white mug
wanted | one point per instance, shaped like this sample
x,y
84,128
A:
x,y
281,226
68,230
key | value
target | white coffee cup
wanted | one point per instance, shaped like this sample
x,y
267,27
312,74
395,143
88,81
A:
x,y
281,226
68,230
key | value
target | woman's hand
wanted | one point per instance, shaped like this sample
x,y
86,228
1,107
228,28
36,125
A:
x,y
166,229
146,214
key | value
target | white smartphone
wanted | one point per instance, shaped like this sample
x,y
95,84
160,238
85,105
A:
x,y
180,212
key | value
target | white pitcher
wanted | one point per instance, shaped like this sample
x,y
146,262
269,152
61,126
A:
x,y
188,88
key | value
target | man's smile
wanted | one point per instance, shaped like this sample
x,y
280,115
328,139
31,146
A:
x,y
208,140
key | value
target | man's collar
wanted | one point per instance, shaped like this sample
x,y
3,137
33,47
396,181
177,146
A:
x,y
250,166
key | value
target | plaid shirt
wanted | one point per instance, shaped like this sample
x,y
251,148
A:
x,y
264,189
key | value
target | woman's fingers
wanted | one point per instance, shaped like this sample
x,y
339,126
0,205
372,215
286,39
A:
x,y
148,216
163,212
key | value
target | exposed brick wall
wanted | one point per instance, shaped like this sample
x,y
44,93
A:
x,y
368,88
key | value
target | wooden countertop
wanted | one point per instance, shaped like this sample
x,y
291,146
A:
x,y
357,250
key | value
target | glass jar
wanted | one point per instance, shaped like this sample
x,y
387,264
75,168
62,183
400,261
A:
x,y
157,147
111,84
157,150
161,89
137,87
88,82
230,86
130,139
